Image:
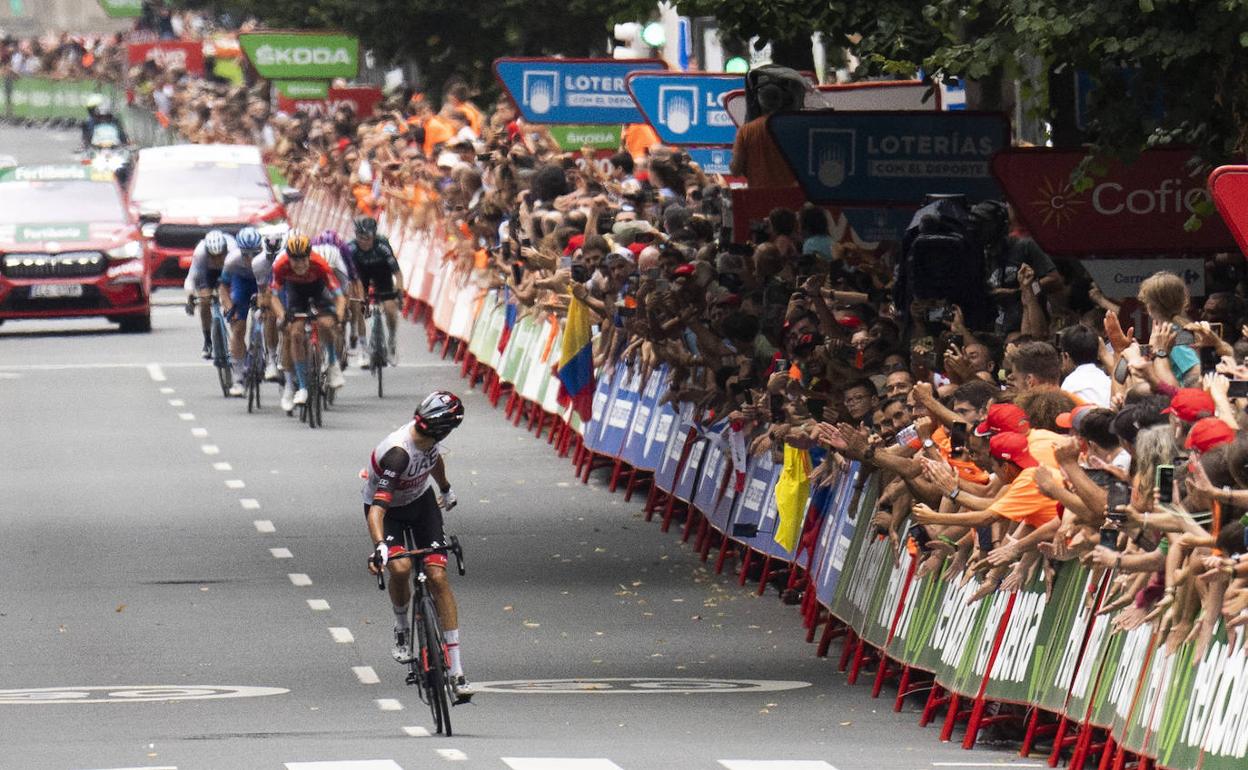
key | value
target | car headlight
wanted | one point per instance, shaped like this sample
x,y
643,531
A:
x,y
128,250
149,229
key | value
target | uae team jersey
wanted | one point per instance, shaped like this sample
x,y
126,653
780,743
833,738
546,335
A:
x,y
402,486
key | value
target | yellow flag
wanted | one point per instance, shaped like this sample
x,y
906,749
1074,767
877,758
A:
x,y
792,494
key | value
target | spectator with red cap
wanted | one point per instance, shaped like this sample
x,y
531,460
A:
x,y
1208,433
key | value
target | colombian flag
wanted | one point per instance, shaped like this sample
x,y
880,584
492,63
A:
x,y
576,362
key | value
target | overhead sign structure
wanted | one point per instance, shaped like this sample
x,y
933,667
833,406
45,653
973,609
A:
x,y
322,99
122,9
686,108
1138,208
899,95
302,55
186,55
590,91
890,158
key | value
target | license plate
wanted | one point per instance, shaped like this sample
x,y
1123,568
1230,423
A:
x,y
55,290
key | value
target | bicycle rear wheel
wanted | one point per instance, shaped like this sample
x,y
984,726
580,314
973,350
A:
x,y
436,667
314,385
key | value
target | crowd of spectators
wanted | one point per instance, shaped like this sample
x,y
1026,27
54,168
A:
x,y
1051,427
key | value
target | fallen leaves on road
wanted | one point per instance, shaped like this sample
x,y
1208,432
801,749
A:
x,y
120,608
531,624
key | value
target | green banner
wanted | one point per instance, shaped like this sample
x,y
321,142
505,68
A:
x,y
573,138
122,9
1062,632
1202,715
303,89
230,69
302,55
52,232
51,173
44,99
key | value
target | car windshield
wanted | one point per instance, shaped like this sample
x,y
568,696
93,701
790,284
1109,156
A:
x,y
53,202
208,179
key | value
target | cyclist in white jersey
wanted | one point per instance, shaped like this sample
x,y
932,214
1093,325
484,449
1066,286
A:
x,y
277,341
398,495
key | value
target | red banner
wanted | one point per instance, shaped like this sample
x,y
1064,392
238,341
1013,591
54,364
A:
x,y
185,55
363,100
1140,208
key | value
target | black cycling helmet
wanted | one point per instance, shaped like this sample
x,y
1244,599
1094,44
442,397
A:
x,y
439,414
365,226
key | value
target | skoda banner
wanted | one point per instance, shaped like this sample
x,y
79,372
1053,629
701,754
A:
x,y
685,107
122,9
1138,208
886,158
302,55
593,91
575,138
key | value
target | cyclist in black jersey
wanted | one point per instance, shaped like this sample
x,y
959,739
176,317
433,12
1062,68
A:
x,y
377,267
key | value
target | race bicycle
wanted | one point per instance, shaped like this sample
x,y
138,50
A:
x,y
377,359
314,359
429,668
219,334
253,365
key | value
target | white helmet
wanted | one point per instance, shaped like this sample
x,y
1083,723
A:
x,y
215,242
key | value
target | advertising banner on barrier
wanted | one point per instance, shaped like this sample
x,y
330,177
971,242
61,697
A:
x,y
576,138
686,107
836,536
288,55
760,478
883,158
1060,637
711,479
589,91
633,449
1138,208
604,390
619,412
40,98
712,160
361,100
674,449
187,55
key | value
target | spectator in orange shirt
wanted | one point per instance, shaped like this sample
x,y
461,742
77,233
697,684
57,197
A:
x,y
755,155
457,96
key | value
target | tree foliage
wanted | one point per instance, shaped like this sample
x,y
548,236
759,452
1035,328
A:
x,y
1167,71
450,37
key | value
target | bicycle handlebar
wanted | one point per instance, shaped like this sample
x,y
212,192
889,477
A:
x,y
451,546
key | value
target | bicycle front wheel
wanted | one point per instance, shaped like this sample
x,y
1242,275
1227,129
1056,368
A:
x,y
221,357
436,668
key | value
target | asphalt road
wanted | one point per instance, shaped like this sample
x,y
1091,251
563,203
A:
x,y
163,549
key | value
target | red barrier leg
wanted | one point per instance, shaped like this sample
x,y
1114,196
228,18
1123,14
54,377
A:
x,y
745,566
652,501
762,580
1030,736
704,536
705,553
616,468
860,651
830,632
521,405
972,724
934,699
1058,740
951,717
1111,752
847,649
903,686
691,515
881,673
1081,748
669,512
724,545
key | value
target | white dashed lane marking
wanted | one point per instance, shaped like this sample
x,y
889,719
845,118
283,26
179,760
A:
x,y
455,755
156,373
559,763
349,764
235,483
188,416
320,605
222,467
210,449
176,402
366,674
167,391
299,579
281,553
779,764
249,503
264,526
389,704
342,635
199,432
416,731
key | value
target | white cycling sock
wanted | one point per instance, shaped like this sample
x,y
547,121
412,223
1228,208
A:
x,y
452,651
400,617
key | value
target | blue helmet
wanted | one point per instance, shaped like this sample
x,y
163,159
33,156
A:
x,y
248,239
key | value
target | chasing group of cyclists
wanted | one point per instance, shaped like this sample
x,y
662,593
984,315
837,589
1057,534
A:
x,y
287,274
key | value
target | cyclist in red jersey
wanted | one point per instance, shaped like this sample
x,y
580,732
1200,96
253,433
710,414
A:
x,y
302,279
